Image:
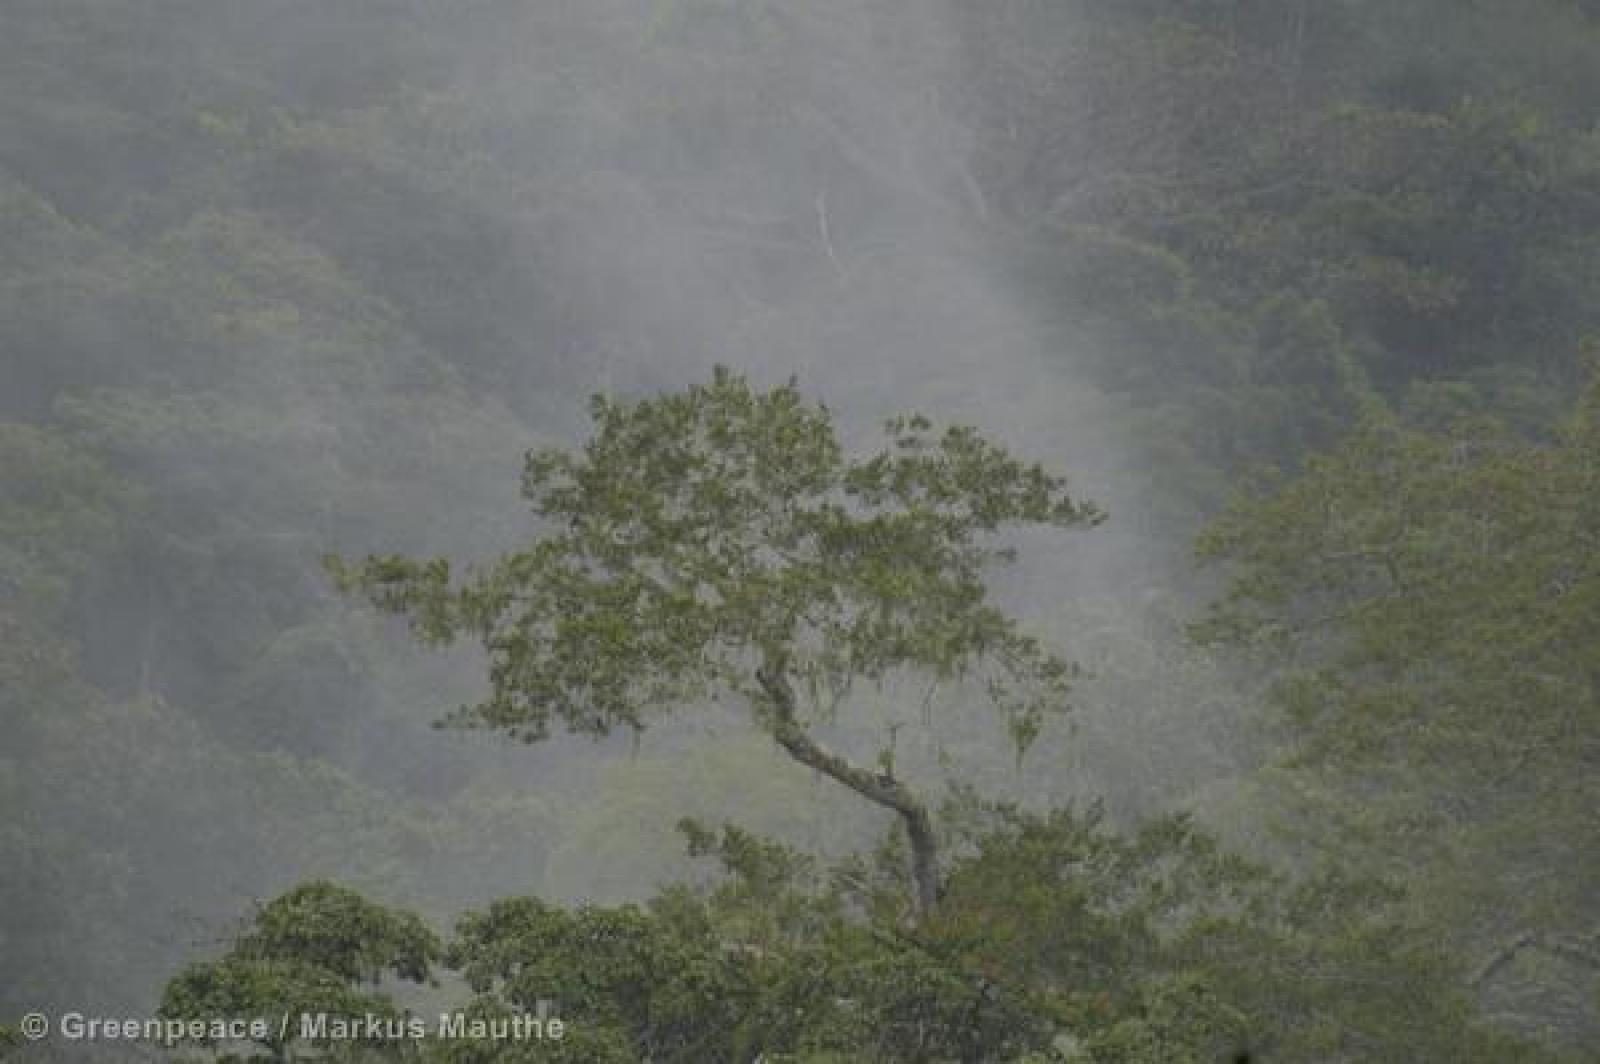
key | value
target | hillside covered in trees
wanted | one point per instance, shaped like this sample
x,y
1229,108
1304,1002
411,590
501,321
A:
x,y
1204,666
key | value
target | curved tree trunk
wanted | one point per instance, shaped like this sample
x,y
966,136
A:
x,y
882,790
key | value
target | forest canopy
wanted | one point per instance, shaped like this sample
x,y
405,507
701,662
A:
x,y
1304,295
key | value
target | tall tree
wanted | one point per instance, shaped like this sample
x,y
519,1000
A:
x,y
719,543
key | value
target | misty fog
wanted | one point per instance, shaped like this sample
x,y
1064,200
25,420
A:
x,y
286,280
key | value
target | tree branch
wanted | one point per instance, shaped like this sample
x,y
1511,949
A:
x,y
883,789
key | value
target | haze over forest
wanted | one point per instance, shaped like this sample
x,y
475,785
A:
x,y
1305,296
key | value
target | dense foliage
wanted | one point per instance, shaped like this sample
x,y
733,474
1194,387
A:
x,y
1057,940
1427,601
720,544
284,279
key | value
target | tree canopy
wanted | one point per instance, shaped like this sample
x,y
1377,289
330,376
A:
x,y
719,542
1427,602
281,279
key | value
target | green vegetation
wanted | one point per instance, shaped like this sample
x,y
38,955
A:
x,y
1315,285
1055,940
315,950
1425,602
718,543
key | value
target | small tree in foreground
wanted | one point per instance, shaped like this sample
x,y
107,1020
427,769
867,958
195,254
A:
x,y
319,950
718,542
